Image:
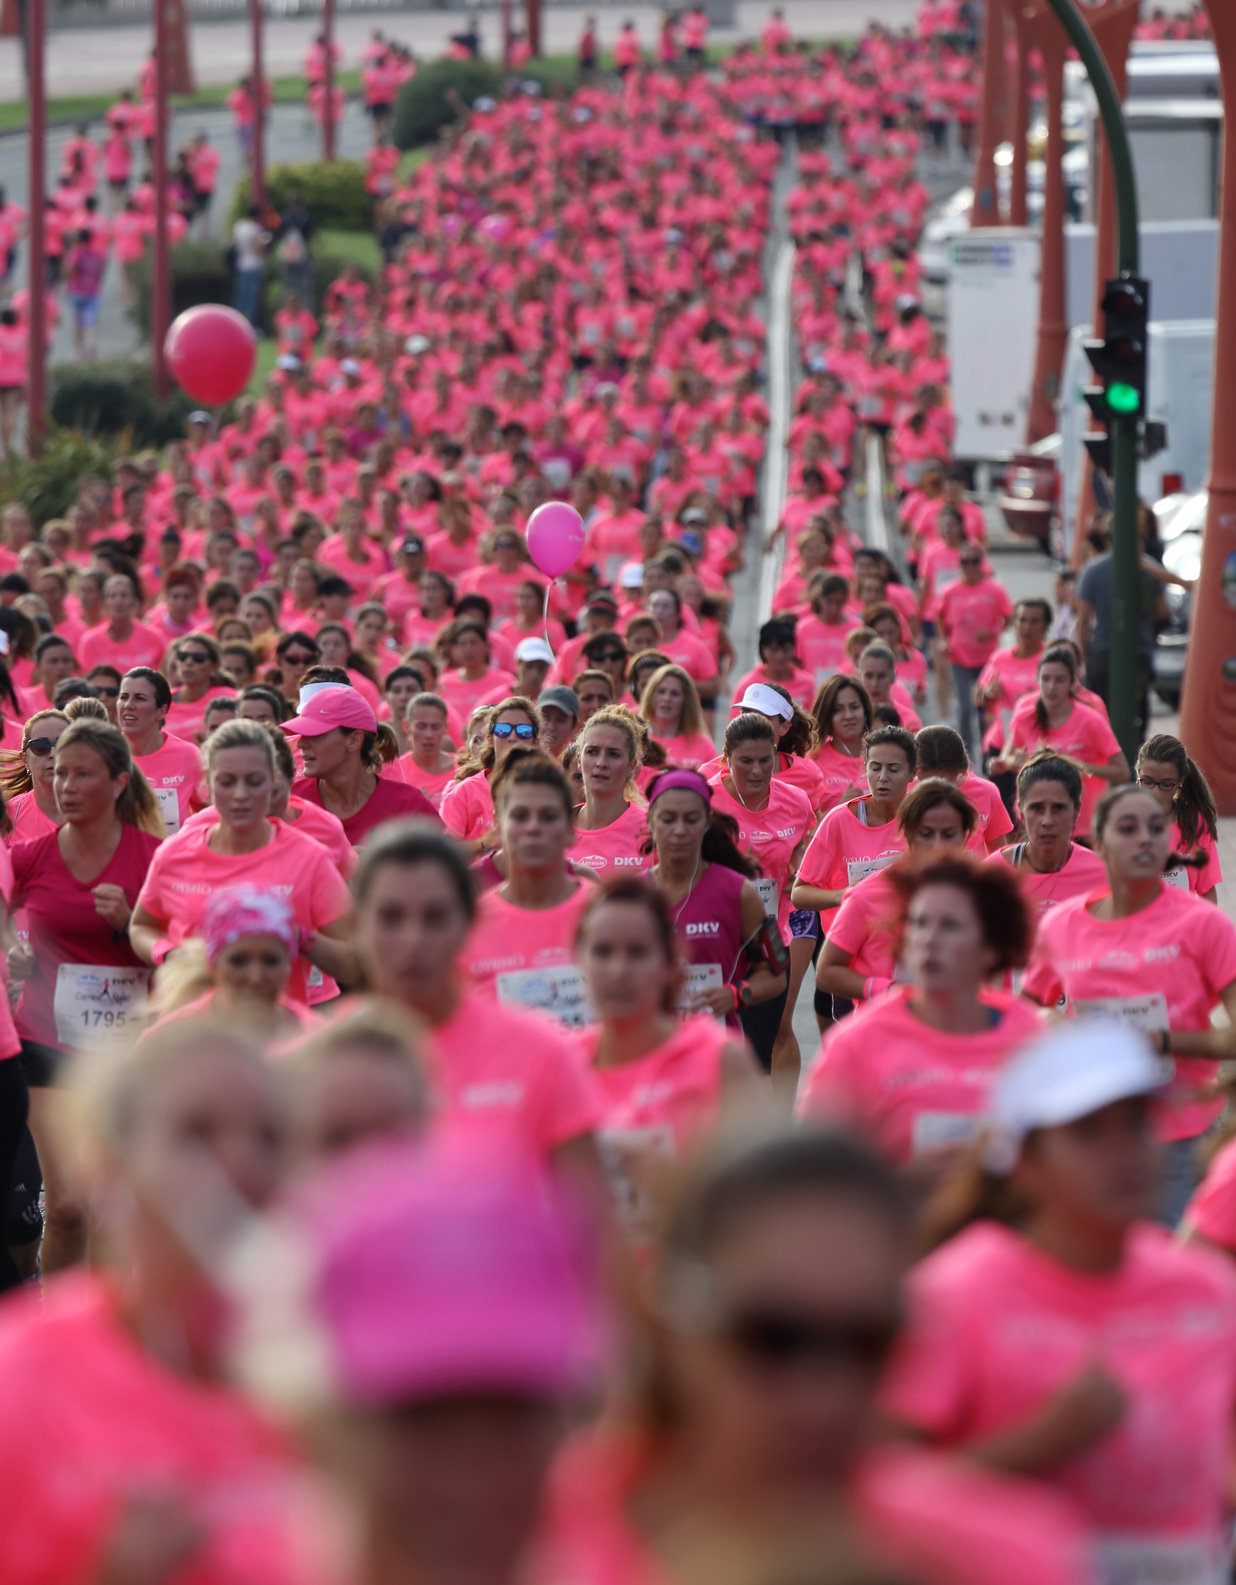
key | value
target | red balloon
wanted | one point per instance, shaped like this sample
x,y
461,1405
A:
x,y
211,351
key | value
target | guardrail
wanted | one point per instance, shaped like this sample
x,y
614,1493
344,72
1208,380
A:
x,y
777,462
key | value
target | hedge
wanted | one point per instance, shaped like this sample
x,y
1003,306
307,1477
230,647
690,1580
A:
x,y
423,109
114,396
47,485
334,194
199,275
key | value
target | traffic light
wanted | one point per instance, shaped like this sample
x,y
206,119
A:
x,y
1119,361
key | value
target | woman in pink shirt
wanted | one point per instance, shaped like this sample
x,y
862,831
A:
x,y
427,765
843,717
467,805
972,613
245,846
199,663
500,1074
1054,719
877,671
1012,673
172,766
671,708
159,1460
610,829
859,961
30,808
471,675
774,1304
14,372
1060,1335
662,1077
1165,769
1052,868
521,950
1153,956
913,1069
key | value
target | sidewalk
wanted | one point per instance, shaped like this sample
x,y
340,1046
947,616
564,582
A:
x,y
106,59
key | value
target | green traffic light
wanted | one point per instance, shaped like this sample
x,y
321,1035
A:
x,y
1123,399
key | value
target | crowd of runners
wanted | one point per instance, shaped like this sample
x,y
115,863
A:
x,y
409,1170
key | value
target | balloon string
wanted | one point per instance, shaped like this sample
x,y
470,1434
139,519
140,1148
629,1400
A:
x,y
545,615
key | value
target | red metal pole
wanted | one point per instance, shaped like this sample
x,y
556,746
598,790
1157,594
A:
x,y
161,296
259,105
1045,31
986,211
36,403
532,17
328,79
1018,214
1208,712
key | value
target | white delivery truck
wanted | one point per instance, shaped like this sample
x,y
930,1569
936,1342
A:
x,y
993,316
1180,391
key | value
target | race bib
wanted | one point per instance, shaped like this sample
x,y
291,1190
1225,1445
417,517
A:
x,y
766,885
858,869
99,1005
169,808
630,1158
823,673
1177,877
1147,1012
556,992
699,977
935,1130
1155,1560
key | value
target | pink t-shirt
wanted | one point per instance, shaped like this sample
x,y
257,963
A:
x,y
307,819
1199,877
499,1072
432,783
519,942
998,1327
837,772
771,834
614,849
910,1087
800,685
1081,875
187,720
994,821
186,872
652,1110
844,851
863,927
966,612
107,1419
145,646
688,750
467,807
821,646
1162,968
1212,1210
1084,736
175,776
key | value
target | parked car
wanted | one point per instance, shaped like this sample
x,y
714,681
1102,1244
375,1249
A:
x,y
1030,492
1180,519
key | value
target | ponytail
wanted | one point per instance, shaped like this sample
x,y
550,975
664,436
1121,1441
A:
x,y
380,748
1194,805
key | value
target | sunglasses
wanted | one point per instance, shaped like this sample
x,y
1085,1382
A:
x,y
610,654
194,660
107,693
298,660
779,1341
971,561
510,729
40,746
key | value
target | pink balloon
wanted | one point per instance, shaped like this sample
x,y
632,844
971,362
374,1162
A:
x,y
496,227
555,537
452,225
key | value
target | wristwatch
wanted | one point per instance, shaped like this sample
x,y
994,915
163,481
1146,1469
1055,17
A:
x,y
742,995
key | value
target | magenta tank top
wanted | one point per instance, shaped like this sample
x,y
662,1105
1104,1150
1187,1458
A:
x,y
709,922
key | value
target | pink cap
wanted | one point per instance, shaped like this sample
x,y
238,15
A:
x,y
239,911
430,1270
332,707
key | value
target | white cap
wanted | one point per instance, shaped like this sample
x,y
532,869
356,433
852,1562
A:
x,y
765,701
534,649
350,366
288,361
1078,1069
309,689
632,575
416,345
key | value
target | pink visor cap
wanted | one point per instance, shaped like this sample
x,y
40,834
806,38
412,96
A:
x,y
426,1271
333,705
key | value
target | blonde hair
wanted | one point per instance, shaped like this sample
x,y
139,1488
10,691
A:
x,y
376,1025
238,734
86,710
692,718
15,777
634,730
137,806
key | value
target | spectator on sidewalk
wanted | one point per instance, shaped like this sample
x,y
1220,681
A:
x,y
297,229
250,241
85,265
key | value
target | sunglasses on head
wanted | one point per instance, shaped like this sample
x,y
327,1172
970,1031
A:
x,y
779,1340
194,660
511,729
40,745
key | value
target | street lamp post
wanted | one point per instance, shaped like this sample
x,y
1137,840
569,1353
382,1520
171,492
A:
x,y
1018,214
1208,714
986,210
1044,31
328,81
259,106
161,294
36,403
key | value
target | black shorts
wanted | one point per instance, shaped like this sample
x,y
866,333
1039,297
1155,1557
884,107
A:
x,y
41,1065
201,201
381,107
25,1219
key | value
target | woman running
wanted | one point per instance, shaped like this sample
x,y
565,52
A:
x,y
172,766
1148,954
671,707
499,1073
199,664
859,960
467,805
1127,1410
1052,867
28,779
1165,769
843,717
662,1077
610,828
81,979
427,764
913,1070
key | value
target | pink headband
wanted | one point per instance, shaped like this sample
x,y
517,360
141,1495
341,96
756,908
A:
x,y
680,781
247,911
